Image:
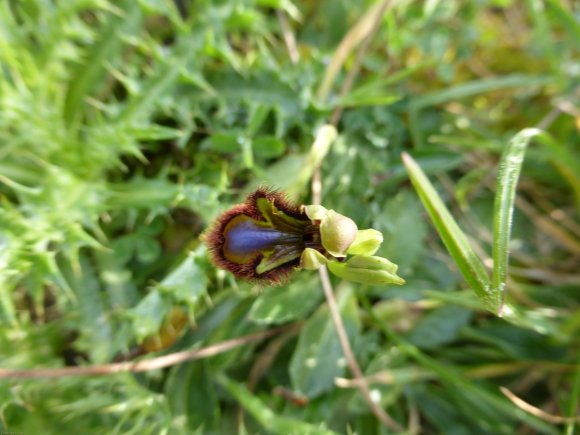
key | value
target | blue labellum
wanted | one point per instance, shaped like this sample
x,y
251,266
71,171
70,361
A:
x,y
244,238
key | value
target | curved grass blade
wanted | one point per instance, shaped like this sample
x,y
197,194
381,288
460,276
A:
x,y
454,239
507,180
573,400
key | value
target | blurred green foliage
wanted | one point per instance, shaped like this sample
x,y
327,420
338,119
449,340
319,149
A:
x,y
125,127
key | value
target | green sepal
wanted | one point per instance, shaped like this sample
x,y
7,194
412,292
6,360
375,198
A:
x,y
366,269
278,219
367,242
311,259
315,212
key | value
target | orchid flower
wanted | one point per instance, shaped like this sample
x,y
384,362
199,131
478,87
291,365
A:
x,y
266,238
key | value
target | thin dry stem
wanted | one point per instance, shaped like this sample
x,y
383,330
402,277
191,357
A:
x,y
143,365
414,424
522,404
354,36
555,231
387,377
353,72
374,16
269,354
349,355
288,35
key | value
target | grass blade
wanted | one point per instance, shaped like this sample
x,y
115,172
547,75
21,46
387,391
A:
x,y
573,400
477,87
565,17
357,34
507,180
454,239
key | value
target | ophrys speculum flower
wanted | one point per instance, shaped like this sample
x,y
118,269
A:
x,y
266,238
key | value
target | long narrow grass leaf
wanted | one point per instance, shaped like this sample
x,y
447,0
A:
x,y
574,399
566,18
477,87
507,180
455,240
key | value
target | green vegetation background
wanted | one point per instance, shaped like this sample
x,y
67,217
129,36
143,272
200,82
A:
x,y
126,127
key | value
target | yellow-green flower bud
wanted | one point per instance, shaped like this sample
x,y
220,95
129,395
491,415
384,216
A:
x,y
337,233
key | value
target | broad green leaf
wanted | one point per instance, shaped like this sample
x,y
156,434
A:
x,y
439,327
225,142
404,230
287,303
318,357
258,115
187,283
268,146
191,396
148,314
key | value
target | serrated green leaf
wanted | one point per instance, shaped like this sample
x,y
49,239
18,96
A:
x,y
187,283
148,315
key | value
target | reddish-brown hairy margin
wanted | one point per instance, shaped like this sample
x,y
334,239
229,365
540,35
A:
x,y
214,237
